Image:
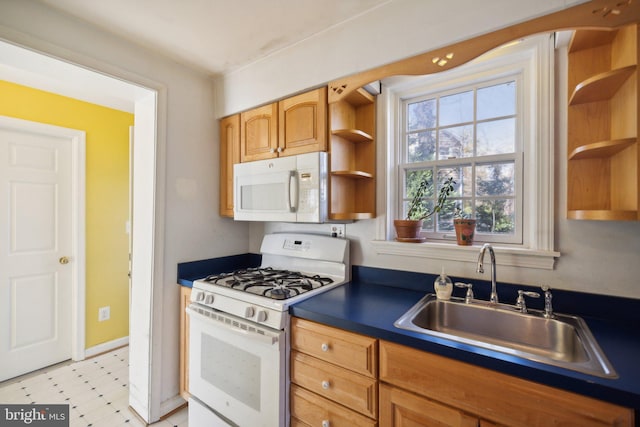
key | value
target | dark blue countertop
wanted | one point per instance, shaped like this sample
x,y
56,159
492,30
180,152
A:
x,y
194,270
371,303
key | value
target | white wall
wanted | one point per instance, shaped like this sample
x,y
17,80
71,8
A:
x,y
190,226
396,30
597,257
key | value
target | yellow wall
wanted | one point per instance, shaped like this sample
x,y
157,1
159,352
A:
x,y
107,200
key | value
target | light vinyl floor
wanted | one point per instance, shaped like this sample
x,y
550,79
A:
x,y
96,390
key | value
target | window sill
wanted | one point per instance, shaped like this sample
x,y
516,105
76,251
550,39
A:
x,y
505,255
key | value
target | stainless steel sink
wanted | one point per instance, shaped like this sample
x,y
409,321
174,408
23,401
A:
x,y
564,341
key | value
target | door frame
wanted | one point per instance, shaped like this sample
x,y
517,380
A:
x,y
78,236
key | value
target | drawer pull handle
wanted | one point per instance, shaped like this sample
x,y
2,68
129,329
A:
x,y
326,423
325,385
324,347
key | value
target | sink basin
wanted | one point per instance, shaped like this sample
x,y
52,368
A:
x,y
564,341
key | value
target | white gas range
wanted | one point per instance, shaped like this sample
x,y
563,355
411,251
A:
x,y
239,329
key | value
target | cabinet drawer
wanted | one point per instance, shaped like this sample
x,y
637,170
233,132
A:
x,y
350,389
352,351
309,409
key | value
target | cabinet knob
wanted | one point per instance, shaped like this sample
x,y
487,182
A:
x,y
272,150
280,149
325,385
324,347
326,423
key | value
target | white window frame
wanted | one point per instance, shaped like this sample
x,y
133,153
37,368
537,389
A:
x,y
534,56
521,144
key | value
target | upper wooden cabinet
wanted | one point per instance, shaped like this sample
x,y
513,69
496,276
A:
x,y
603,160
229,155
259,133
295,125
353,157
302,123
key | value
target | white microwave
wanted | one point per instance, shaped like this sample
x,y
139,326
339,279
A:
x,y
286,189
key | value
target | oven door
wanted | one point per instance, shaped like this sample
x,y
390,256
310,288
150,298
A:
x,y
237,368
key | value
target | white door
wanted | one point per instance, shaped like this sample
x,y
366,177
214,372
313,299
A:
x,y
35,250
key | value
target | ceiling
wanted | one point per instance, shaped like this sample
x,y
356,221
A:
x,y
216,36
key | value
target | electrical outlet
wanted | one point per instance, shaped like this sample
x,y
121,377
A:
x,y
104,313
339,230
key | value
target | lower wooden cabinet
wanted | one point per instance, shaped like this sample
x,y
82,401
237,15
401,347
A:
x,y
333,376
395,385
490,397
399,408
185,299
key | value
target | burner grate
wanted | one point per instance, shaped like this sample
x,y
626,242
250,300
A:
x,y
269,282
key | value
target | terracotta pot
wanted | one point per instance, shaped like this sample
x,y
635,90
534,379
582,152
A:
x,y
465,230
408,229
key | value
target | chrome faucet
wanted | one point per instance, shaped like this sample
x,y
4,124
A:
x,y
493,299
548,308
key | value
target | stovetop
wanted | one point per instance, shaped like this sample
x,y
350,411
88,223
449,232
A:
x,y
268,282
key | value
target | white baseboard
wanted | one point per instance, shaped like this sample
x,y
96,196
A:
x,y
106,346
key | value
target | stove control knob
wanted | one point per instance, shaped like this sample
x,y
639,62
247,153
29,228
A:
x,y
249,312
208,299
199,296
262,316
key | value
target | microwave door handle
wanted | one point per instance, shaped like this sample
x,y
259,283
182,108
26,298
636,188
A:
x,y
293,191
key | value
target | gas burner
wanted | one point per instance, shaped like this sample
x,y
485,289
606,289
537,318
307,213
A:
x,y
269,282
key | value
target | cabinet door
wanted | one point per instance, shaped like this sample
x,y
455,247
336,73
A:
x,y
259,133
400,408
229,155
302,123
185,299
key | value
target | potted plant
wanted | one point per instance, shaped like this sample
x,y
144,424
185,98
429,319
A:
x,y
465,227
408,229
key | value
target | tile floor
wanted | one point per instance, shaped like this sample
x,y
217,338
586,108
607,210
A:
x,y
96,390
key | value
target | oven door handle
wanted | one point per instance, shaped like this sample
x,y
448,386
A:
x,y
220,320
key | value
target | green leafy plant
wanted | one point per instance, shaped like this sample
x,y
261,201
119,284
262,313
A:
x,y
417,206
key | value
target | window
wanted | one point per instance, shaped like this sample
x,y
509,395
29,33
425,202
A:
x,y
470,133
489,124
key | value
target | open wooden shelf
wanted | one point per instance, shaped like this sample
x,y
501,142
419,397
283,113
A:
x,y
601,149
352,186
589,39
353,135
352,174
359,97
601,87
608,215
350,216
603,156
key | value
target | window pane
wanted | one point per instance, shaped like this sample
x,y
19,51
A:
x,y
421,147
413,180
421,115
461,175
497,101
495,216
496,137
495,180
455,142
456,108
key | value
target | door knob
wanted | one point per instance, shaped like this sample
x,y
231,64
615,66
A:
x,y
64,260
